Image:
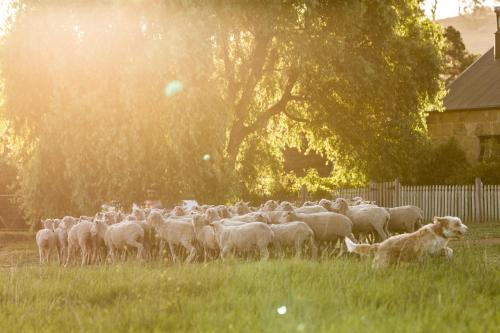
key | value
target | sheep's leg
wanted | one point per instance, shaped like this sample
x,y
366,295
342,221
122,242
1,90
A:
x,y
112,253
172,252
314,248
225,250
192,251
40,254
160,248
138,246
264,254
298,248
381,233
68,257
205,254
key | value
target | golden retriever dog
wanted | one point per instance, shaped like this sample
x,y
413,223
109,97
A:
x,y
430,240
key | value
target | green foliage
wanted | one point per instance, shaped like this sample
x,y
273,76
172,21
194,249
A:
x,y
457,57
489,168
93,117
442,164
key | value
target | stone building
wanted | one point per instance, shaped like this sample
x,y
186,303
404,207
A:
x,y
472,106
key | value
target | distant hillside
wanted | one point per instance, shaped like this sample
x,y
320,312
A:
x,y
477,29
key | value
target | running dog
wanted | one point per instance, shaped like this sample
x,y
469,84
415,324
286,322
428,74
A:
x,y
430,240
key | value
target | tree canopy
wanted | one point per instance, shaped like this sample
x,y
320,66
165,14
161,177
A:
x,y
105,99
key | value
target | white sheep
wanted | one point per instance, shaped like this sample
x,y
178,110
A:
x,y
241,208
205,235
311,209
62,236
79,237
174,232
244,237
269,206
366,218
405,219
46,240
285,206
294,233
327,226
120,235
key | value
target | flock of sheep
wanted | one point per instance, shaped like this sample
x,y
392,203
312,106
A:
x,y
219,230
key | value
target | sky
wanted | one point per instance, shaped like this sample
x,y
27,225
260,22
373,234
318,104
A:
x,y
448,8
445,8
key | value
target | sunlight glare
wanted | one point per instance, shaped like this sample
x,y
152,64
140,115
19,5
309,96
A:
x,y
173,88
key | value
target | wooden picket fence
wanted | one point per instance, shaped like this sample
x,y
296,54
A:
x,y
472,203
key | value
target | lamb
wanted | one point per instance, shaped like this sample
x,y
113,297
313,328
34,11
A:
x,y
327,226
62,235
205,235
405,219
119,235
79,236
365,218
46,240
294,233
174,232
245,237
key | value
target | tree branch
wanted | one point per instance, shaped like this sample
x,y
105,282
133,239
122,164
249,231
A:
x,y
294,118
258,59
276,108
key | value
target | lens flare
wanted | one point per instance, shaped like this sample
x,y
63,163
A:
x,y
173,88
281,310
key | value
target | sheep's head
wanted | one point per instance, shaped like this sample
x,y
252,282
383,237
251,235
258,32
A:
x,y
212,214
155,219
286,206
260,217
48,224
178,211
291,216
340,206
98,227
326,204
270,205
242,207
199,221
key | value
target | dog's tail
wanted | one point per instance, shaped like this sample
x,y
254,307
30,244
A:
x,y
364,249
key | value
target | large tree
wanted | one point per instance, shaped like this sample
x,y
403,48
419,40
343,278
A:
x,y
106,99
457,57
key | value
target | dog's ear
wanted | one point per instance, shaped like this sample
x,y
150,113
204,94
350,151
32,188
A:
x,y
442,221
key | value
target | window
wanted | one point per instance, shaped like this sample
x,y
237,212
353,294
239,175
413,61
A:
x,y
490,147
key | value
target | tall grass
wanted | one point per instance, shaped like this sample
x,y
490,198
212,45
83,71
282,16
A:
x,y
334,295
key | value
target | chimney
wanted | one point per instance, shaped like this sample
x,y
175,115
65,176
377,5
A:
x,y
497,34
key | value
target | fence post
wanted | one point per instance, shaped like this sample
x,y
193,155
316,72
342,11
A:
x,y
303,193
478,199
397,193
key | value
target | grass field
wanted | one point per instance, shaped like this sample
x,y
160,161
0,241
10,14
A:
x,y
332,295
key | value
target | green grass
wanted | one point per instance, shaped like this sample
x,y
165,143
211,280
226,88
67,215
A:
x,y
333,295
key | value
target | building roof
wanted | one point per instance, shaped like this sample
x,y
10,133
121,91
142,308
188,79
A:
x,y
478,87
